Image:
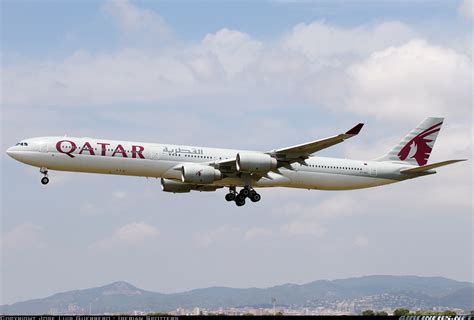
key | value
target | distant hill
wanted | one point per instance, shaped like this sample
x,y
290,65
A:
x,y
386,291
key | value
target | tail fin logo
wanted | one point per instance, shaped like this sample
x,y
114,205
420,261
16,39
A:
x,y
419,148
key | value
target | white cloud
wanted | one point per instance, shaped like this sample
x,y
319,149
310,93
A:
x,y
120,194
466,9
453,193
412,81
90,209
309,218
256,233
136,232
454,140
226,65
361,241
23,236
133,19
131,234
374,148
337,205
316,64
303,227
320,40
84,79
205,239
234,50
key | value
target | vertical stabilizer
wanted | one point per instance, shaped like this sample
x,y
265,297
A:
x,y
415,148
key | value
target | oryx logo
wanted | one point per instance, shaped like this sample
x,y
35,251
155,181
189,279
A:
x,y
199,173
419,148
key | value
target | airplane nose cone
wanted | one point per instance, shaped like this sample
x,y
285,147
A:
x,y
13,153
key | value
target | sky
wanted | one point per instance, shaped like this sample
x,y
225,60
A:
x,y
237,74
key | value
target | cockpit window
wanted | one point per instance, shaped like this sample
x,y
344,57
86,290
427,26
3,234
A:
x,y
22,144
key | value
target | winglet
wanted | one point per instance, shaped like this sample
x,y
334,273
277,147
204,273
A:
x,y
356,129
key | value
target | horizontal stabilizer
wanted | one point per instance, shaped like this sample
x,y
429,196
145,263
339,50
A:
x,y
430,166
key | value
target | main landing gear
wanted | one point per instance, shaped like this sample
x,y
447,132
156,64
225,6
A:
x,y
45,179
239,197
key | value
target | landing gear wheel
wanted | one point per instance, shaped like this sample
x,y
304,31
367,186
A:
x,y
44,180
245,192
230,196
255,197
239,201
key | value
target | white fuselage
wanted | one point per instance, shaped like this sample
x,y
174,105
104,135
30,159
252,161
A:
x,y
165,160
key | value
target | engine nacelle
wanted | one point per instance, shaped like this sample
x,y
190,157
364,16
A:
x,y
168,185
255,162
199,174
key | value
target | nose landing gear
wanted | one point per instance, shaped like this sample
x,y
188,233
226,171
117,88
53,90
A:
x,y
45,179
239,198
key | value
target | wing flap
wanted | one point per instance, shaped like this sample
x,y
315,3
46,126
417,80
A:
x,y
430,166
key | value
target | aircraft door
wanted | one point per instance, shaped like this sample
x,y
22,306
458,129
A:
x,y
365,169
373,171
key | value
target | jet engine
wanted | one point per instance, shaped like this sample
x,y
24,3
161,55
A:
x,y
199,174
168,185
255,162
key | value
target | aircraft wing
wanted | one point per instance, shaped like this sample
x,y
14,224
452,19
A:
x,y
304,150
297,153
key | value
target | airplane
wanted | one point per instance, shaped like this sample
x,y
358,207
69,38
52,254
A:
x,y
189,168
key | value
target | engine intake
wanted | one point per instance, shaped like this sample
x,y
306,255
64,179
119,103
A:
x,y
255,162
199,174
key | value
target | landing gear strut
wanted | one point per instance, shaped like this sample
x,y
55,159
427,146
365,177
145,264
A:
x,y
45,179
239,198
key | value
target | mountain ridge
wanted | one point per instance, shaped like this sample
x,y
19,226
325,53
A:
x,y
121,296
